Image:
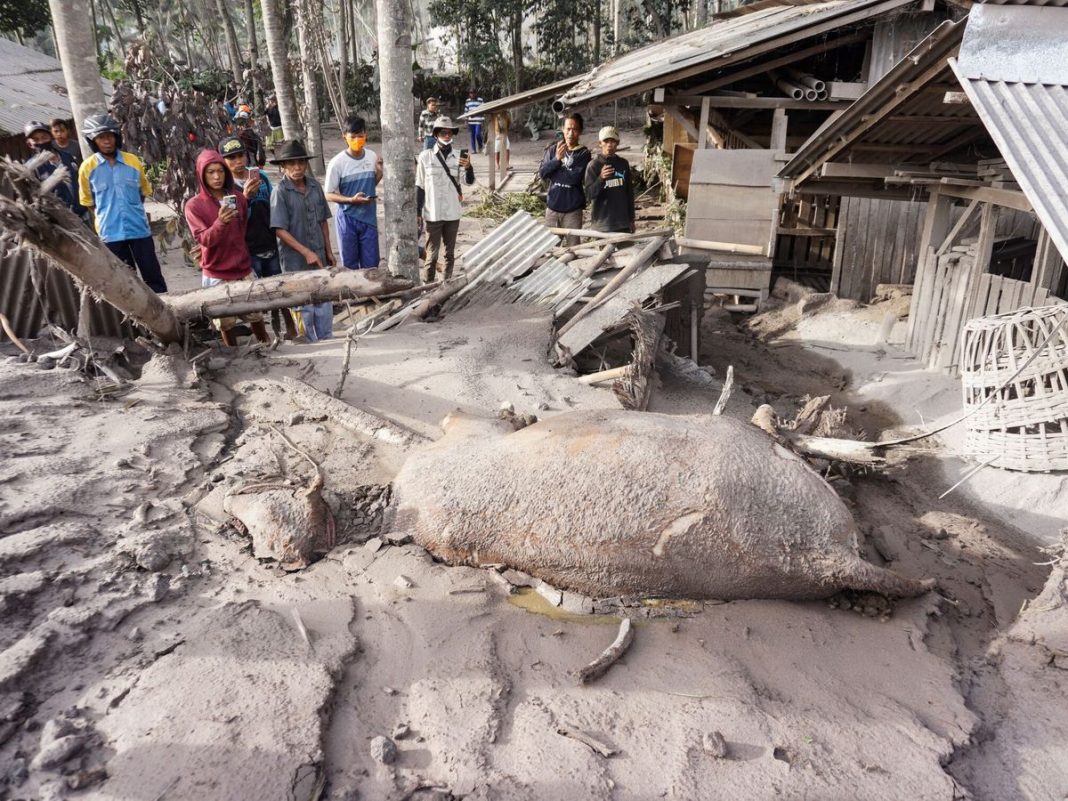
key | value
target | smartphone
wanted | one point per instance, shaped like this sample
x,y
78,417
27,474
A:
x,y
559,136
463,153
230,201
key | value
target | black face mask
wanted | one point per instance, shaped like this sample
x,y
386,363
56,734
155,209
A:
x,y
45,148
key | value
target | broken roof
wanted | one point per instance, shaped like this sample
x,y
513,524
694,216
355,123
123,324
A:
x,y
32,87
719,45
736,36
1013,66
901,118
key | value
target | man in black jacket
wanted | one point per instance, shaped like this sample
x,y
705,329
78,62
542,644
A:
x,y
609,187
564,167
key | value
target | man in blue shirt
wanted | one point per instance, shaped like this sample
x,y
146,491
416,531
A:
x,y
113,186
351,178
474,123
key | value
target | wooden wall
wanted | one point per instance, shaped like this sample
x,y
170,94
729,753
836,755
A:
x,y
878,243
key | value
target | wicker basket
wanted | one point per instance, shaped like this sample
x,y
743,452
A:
x,y
1025,426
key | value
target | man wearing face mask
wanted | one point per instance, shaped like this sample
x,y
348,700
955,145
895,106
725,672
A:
x,y
39,139
439,198
351,179
564,167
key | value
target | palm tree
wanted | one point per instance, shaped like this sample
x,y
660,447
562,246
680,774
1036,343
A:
x,y
279,56
77,52
396,108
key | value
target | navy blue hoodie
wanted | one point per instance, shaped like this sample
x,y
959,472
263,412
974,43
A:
x,y
565,178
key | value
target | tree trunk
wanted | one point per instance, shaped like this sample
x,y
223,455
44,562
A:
x,y
74,41
253,53
342,25
277,51
701,17
232,46
398,132
44,223
313,132
283,291
517,47
596,33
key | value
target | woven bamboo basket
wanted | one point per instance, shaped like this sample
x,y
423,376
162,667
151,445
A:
x,y
1025,424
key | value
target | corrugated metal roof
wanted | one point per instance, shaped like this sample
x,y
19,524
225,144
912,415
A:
x,y
1027,120
33,294
903,110
720,44
32,87
525,98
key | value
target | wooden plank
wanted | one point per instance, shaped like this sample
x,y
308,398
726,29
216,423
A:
x,y
779,121
702,126
834,169
993,297
935,224
935,320
958,228
1009,198
983,293
1041,296
728,101
845,90
715,202
753,234
491,121
682,119
735,167
920,302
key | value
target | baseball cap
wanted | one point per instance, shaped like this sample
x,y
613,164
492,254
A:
x,y
231,146
607,132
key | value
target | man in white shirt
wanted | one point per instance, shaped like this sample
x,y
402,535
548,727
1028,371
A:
x,y
439,198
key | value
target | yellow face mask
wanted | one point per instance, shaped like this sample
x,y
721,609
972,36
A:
x,y
356,141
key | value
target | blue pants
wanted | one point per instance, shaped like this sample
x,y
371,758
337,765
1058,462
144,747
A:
x,y
318,320
140,254
266,266
359,242
476,135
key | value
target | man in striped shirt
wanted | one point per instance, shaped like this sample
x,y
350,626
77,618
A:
x,y
474,124
426,122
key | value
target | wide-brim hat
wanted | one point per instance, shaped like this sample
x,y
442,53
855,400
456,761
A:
x,y
290,150
446,124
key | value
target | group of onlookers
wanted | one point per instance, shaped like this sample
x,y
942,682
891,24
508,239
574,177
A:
x,y
244,226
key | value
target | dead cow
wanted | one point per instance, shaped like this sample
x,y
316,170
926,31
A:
x,y
614,503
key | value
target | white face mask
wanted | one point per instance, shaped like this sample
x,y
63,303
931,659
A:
x,y
444,142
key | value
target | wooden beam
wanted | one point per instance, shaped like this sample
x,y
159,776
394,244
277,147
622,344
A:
x,y
718,101
781,61
957,229
930,119
682,120
878,191
835,169
491,120
779,122
702,127
1009,198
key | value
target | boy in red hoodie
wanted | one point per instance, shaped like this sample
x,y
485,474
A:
x,y
217,217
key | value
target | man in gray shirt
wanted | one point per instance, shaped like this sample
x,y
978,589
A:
x,y
299,217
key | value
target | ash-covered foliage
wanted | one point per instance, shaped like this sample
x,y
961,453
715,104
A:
x,y
167,141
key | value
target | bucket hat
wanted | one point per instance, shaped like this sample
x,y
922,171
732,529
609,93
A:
x,y
290,150
446,124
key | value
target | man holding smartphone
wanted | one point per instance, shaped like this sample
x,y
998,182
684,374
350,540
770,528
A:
x,y
351,178
439,198
564,167
609,187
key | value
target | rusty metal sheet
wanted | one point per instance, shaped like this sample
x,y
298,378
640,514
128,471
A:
x,y
33,294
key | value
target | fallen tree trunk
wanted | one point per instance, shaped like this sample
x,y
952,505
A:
x,y
45,224
283,291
